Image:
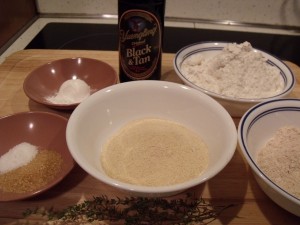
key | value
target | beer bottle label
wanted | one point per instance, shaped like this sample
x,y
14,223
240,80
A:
x,y
140,43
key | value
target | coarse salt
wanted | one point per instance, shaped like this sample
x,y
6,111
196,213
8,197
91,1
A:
x,y
237,71
70,92
18,156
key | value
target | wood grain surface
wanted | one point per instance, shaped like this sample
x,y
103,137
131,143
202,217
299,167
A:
x,y
234,184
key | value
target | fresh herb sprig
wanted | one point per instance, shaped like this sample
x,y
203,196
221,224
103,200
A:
x,y
139,211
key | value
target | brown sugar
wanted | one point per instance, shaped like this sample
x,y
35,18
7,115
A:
x,y
40,171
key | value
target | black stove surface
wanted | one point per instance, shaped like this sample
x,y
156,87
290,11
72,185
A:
x,y
82,36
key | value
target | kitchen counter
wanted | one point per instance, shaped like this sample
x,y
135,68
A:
x,y
235,184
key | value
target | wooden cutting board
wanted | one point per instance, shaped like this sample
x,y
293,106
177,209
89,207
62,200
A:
x,y
234,184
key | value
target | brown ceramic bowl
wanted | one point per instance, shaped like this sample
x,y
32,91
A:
x,y
46,80
42,129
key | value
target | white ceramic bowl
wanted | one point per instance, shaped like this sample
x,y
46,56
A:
x,y
235,106
256,127
103,113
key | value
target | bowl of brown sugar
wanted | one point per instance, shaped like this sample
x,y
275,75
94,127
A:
x,y
269,138
34,155
151,138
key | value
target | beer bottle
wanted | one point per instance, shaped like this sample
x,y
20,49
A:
x,y
141,24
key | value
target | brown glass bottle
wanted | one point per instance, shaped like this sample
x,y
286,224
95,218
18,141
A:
x,y
141,24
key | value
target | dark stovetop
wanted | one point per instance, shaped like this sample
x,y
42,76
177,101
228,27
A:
x,y
82,36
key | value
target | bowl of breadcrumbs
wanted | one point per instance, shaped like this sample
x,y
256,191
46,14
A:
x,y
269,138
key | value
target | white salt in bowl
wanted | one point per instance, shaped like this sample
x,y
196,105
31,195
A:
x,y
256,127
102,114
235,106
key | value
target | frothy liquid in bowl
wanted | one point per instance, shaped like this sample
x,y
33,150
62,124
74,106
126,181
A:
x,y
154,152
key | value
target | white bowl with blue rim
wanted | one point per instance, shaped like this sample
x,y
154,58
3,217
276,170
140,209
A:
x,y
256,127
235,106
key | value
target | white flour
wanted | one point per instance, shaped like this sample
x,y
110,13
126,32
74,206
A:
x,y
237,71
280,159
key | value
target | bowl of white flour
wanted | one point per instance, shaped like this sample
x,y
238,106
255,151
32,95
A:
x,y
236,75
269,139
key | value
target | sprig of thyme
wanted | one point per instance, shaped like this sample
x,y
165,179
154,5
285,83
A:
x,y
139,210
